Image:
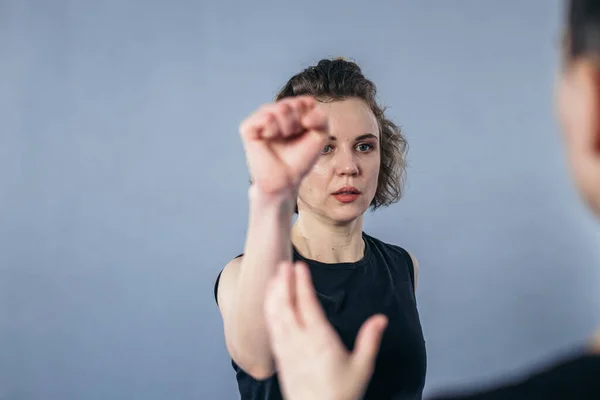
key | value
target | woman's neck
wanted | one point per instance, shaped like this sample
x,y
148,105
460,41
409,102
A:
x,y
325,242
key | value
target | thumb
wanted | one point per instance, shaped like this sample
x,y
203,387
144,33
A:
x,y
307,151
315,120
367,346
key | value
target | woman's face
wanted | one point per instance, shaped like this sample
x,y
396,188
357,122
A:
x,y
343,182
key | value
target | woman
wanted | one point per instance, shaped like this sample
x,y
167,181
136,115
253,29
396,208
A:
x,y
325,150
295,319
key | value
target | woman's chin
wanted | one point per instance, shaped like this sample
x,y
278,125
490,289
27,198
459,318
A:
x,y
347,214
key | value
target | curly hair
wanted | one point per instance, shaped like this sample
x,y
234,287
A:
x,y
338,79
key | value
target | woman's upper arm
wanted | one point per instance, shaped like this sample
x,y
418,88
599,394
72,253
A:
x,y
225,292
225,286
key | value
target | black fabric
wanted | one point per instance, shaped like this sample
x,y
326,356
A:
x,y
381,282
573,378
216,289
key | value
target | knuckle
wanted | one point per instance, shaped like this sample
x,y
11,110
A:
x,y
284,109
243,128
265,107
269,118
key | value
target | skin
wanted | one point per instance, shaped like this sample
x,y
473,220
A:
x,y
324,369
327,230
351,156
282,142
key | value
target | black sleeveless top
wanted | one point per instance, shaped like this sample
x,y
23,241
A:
x,y
382,282
575,377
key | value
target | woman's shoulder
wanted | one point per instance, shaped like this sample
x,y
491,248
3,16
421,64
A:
x,y
386,246
396,251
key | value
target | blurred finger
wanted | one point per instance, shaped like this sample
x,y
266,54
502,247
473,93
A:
x,y
306,102
288,121
308,152
280,306
367,345
257,151
270,127
251,127
299,106
309,308
302,105
316,119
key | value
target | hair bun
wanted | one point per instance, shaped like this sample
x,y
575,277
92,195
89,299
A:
x,y
345,63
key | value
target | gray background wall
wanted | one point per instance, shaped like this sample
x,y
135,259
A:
x,y
123,183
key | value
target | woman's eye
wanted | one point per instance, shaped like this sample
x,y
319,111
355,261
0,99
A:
x,y
363,147
326,149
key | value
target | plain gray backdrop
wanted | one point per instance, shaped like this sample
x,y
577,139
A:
x,y
123,187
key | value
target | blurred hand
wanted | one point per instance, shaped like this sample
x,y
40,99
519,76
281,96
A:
x,y
283,141
312,362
